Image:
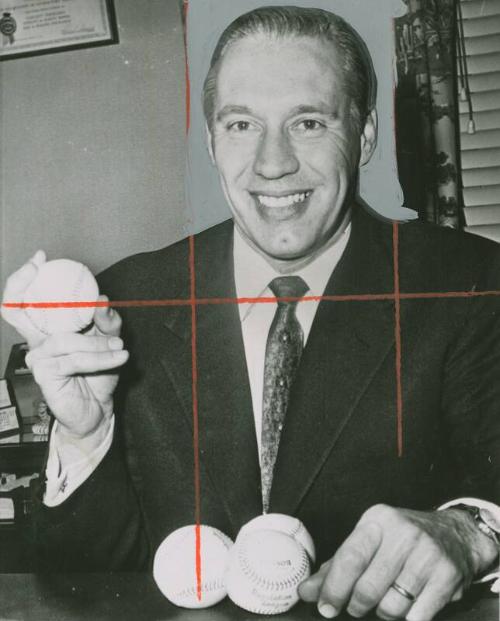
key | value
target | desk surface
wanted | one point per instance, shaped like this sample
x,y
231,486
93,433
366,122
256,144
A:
x,y
104,597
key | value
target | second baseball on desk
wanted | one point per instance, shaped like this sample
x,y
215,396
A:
x,y
264,571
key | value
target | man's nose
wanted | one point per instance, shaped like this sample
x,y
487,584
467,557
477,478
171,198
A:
x,y
275,157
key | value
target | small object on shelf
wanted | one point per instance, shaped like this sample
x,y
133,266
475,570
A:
x,y
14,439
17,361
9,416
8,420
22,371
4,394
7,513
22,368
41,429
29,400
39,424
6,479
8,482
34,437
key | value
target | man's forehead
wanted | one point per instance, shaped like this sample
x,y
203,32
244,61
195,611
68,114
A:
x,y
290,46
270,65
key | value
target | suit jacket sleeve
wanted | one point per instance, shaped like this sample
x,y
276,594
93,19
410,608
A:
x,y
471,390
100,526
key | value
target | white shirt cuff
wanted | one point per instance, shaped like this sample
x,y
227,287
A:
x,y
495,510
69,464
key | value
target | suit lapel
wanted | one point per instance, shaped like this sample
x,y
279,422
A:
x,y
228,446
348,342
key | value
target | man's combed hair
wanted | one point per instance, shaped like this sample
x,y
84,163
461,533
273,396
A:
x,y
288,21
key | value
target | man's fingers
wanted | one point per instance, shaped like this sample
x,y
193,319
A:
x,y
348,564
310,588
67,354
439,590
412,578
406,564
15,288
23,325
394,604
375,583
77,364
386,566
39,258
66,343
18,282
106,319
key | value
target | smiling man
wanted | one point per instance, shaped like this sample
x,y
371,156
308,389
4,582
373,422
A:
x,y
287,143
297,399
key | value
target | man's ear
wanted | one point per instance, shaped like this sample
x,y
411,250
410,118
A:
x,y
369,137
210,145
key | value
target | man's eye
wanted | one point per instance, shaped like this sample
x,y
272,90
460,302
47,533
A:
x,y
309,125
239,126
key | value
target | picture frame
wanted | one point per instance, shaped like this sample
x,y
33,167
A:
x,y
10,420
35,27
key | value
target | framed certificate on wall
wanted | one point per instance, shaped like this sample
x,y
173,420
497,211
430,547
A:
x,y
31,27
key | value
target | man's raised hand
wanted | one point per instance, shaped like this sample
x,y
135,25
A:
x,y
404,564
74,371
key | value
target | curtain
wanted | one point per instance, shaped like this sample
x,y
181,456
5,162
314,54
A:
x,y
426,110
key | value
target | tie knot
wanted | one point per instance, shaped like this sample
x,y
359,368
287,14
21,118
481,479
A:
x,y
288,287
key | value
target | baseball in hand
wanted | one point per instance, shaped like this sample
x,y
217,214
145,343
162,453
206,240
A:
x,y
174,567
264,571
284,524
59,281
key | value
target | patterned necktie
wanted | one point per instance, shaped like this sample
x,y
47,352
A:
x,y
283,350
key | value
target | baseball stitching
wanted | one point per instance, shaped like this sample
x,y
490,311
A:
x,y
187,592
267,583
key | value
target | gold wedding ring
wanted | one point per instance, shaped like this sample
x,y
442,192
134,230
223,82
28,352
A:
x,y
402,591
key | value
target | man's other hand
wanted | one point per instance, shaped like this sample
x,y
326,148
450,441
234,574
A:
x,y
431,556
74,371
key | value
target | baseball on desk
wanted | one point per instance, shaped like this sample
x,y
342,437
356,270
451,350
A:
x,y
175,566
285,524
264,571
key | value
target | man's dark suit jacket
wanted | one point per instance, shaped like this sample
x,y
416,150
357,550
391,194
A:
x,y
338,453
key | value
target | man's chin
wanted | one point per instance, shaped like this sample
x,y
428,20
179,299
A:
x,y
287,252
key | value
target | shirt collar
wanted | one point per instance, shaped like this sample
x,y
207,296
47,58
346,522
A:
x,y
252,273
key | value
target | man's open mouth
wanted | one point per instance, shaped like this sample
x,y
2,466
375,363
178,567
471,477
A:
x,y
286,200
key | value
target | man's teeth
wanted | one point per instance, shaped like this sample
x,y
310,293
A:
x,y
282,201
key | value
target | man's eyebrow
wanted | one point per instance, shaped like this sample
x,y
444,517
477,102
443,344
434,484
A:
x,y
230,109
322,108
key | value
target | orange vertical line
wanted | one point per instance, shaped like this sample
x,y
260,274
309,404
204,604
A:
x,y
194,365
185,8
397,334
196,454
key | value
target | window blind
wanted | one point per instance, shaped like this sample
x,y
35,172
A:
x,y
480,151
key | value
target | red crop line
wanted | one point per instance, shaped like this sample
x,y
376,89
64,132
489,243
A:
x,y
194,389
185,9
362,297
448,294
194,365
197,301
397,334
